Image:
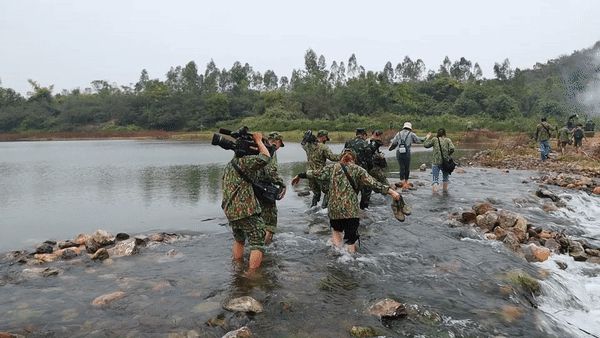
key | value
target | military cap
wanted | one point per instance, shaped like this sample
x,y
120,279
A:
x,y
276,136
361,131
323,132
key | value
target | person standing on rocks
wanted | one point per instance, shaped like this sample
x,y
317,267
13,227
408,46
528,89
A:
x,y
269,174
442,149
345,179
564,138
542,135
241,206
317,154
578,136
404,140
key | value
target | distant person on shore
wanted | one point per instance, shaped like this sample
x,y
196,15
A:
x,y
564,138
404,140
270,174
345,179
578,136
241,206
542,135
442,149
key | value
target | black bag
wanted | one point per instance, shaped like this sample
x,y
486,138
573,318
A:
x,y
448,164
265,191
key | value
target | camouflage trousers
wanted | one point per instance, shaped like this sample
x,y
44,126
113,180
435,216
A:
x,y
365,193
315,187
269,215
252,228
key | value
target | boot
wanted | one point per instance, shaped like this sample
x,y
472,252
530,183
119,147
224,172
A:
x,y
404,207
315,200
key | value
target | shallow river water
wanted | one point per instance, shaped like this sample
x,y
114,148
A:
x,y
459,282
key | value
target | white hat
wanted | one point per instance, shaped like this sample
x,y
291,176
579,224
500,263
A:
x,y
407,125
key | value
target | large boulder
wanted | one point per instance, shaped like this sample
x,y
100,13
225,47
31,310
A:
x,y
243,332
387,308
244,304
482,208
127,247
534,253
108,298
103,237
488,221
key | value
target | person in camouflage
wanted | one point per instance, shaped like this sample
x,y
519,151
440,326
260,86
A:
x,y
317,154
241,207
378,169
564,138
364,159
542,135
442,149
345,179
269,174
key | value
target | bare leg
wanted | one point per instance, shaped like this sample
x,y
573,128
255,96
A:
x,y
268,237
434,188
351,248
445,187
336,238
238,250
255,259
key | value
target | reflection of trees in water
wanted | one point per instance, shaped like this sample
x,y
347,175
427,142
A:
x,y
190,183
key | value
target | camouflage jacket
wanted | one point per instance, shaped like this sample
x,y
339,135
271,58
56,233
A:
x,y
343,200
238,197
542,132
564,134
269,172
363,151
317,155
446,146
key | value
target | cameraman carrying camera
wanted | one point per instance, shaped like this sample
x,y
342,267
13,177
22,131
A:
x,y
241,205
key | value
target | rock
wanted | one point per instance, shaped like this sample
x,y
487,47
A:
x,y
593,260
423,167
521,223
66,244
482,208
468,217
69,254
544,193
303,193
121,236
510,313
534,253
562,265
44,248
81,239
100,255
124,248
387,308
45,258
487,221
511,241
507,219
102,237
108,298
218,321
532,233
549,207
158,237
552,245
40,272
244,304
363,331
490,236
91,246
592,252
576,251
500,233
243,332
596,191
10,335
171,252
521,235
545,234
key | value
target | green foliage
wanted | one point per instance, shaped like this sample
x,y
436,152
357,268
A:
x,y
340,97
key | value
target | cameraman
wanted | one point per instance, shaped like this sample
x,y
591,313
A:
x,y
242,207
317,154
269,174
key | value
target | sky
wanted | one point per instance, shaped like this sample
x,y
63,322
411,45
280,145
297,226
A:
x,y
69,43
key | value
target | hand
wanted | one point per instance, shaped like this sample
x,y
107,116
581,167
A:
x,y
295,180
282,192
395,195
428,135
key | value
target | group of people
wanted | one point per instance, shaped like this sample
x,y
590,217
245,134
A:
x,y
568,134
360,168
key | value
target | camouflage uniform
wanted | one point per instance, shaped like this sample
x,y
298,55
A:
x,y
317,155
269,209
239,203
343,201
364,153
379,164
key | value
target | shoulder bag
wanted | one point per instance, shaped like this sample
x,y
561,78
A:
x,y
448,164
265,191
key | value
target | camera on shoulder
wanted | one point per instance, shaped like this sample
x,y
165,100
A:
x,y
308,137
240,141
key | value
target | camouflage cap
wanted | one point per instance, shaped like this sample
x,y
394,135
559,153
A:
x,y
276,136
323,132
361,131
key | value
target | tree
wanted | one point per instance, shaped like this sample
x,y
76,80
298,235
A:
x,y
388,73
352,67
141,84
503,71
445,67
461,70
211,78
190,81
310,62
477,73
270,80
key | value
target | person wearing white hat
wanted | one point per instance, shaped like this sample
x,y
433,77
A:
x,y
403,140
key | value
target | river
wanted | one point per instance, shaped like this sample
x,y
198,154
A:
x,y
55,190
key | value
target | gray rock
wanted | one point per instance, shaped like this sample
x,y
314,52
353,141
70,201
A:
x,y
363,331
592,252
387,308
552,244
100,255
124,248
40,272
423,167
121,236
482,208
562,265
244,304
488,221
469,217
91,246
521,223
44,248
576,251
507,219
103,237
243,332
108,298
511,241
544,193
68,254
66,244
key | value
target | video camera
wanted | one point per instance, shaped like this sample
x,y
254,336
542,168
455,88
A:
x,y
308,138
240,141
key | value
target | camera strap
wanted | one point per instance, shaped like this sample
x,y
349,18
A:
x,y
241,173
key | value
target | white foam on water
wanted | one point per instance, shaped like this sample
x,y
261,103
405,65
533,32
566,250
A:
x,y
585,211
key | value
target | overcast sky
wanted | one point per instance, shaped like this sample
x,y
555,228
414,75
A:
x,y
70,43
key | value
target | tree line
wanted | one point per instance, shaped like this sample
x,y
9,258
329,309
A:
x,y
190,99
